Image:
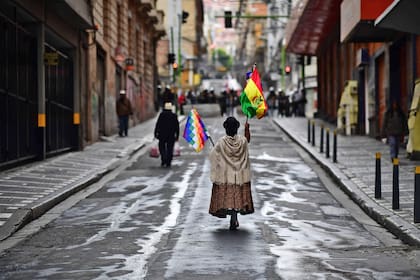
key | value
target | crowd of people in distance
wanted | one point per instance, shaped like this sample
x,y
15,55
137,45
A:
x,y
279,103
227,99
284,105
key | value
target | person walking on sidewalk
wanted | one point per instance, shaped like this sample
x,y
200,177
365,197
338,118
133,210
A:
x,y
271,101
394,128
231,175
123,111
167,132
182,100
283,104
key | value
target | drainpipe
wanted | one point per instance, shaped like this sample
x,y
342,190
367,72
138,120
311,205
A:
x,y
40,34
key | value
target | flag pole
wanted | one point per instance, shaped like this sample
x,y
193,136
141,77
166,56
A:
x,y
211,140
253,68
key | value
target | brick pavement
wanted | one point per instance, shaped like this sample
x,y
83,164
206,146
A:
x,y
355,173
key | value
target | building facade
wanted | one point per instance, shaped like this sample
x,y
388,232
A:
x,y
42,73
62,65
122,53
184,40
349,46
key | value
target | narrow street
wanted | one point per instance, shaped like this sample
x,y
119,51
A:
x,y
149,222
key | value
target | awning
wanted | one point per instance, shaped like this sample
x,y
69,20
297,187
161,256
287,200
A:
x,y
310,23
357,21
401,15
145,5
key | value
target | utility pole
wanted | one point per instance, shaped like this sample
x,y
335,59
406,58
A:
x,y
179,44
171,72
253,17
283,66
302,66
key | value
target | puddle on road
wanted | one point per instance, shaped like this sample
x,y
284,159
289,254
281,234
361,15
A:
x,y
117,217
206,247
309,232
137,264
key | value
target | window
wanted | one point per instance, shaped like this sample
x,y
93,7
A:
x,y
119,25
106,19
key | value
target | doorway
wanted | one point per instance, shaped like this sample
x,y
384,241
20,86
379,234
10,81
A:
x,y
100,79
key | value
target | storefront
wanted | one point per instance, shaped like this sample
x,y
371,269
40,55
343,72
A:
x,y
407,67
349,47
40,78
18,79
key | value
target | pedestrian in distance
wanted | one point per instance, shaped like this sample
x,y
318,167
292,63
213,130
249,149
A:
x,y
124,110
182,100
212,96
168,95
230,174
394,128
230,103
167,132
271,100
283,102
222,102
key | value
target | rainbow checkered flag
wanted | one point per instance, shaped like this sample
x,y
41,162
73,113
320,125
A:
x,y
195,132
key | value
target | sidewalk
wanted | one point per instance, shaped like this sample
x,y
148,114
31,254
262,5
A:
x,y
355,173
29,191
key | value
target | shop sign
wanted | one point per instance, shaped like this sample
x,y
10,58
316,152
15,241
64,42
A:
x,y
51,58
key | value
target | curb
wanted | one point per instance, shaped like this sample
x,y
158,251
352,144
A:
x,y
404,230
23,216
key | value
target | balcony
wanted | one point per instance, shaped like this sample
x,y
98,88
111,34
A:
x,y
153,17
159,31
145,5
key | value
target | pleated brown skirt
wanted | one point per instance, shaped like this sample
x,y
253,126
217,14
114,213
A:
x,y
226,198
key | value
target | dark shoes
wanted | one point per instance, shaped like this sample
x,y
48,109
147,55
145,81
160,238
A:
x,y
234,225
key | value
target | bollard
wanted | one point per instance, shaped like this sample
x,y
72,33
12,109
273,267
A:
x,y
335,146
321,141
378,187
309,131
327,142
395,185
417,195
313,133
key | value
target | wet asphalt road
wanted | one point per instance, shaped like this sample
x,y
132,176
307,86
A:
x,y
149,222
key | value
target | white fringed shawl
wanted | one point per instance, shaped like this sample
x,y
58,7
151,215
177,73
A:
x,y
229,161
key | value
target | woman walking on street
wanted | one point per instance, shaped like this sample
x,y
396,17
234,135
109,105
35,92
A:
x,y
231,175
167,132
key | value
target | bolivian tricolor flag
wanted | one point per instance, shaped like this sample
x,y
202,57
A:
x,y
252,98
195,133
